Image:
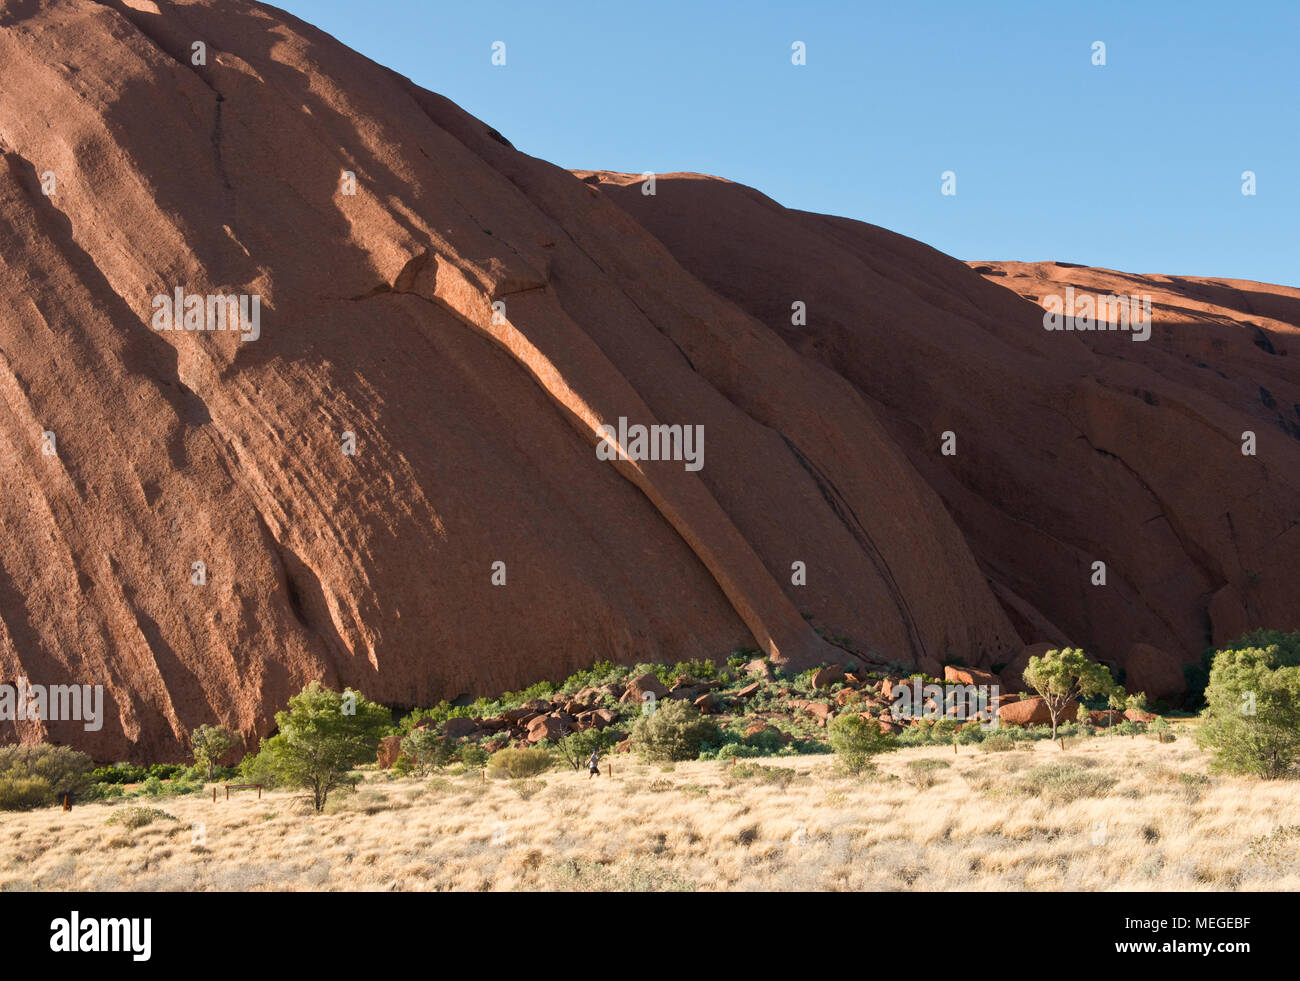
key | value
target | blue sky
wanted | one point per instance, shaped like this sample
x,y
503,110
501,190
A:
x,y
1135,165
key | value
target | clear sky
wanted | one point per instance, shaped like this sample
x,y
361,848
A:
x,y
1136,165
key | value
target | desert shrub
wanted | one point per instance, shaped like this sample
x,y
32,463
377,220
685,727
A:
x,y
779,775
137,817
518,764
998,741
575,748
471,755
1130,728
25,793
59,769
104,791
928,763
1162,731
1060,783
526,789
675,730
119,773
425,750
856,740
66,770
1282,846
923,773
1251,721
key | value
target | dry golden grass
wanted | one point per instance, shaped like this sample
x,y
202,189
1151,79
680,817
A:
x,y
971,825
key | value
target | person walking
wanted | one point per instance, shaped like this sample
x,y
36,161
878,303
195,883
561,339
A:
x,y
593,765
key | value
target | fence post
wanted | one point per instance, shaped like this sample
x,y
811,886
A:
x,y
214,793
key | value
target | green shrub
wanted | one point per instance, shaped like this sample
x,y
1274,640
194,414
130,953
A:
x,y
1251,720
1163,731
518,764
137,817
575,748
471,755
62,769
922,773
119,773
856,740
782,776
998,741
675,730
425,750
25,793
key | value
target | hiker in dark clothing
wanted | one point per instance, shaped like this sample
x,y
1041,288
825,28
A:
x,y
593,765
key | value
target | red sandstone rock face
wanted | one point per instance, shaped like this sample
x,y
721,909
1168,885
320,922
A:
x,y
1072,447
475,436
475,439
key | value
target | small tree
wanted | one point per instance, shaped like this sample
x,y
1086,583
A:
x,y
1061,677
1114,703
856,741
1162,730
323,735
576,747
210,743
1252,715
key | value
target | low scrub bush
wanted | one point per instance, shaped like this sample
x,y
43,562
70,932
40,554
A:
x,y
856,740
36,776
675,730
518,764
137,817
25,793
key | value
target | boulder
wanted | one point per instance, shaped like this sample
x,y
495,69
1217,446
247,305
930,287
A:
x,y
390,747
819,711
459,728
707,704
1031,710
546,727
760,668
828,676
748,690
960,675
638,687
